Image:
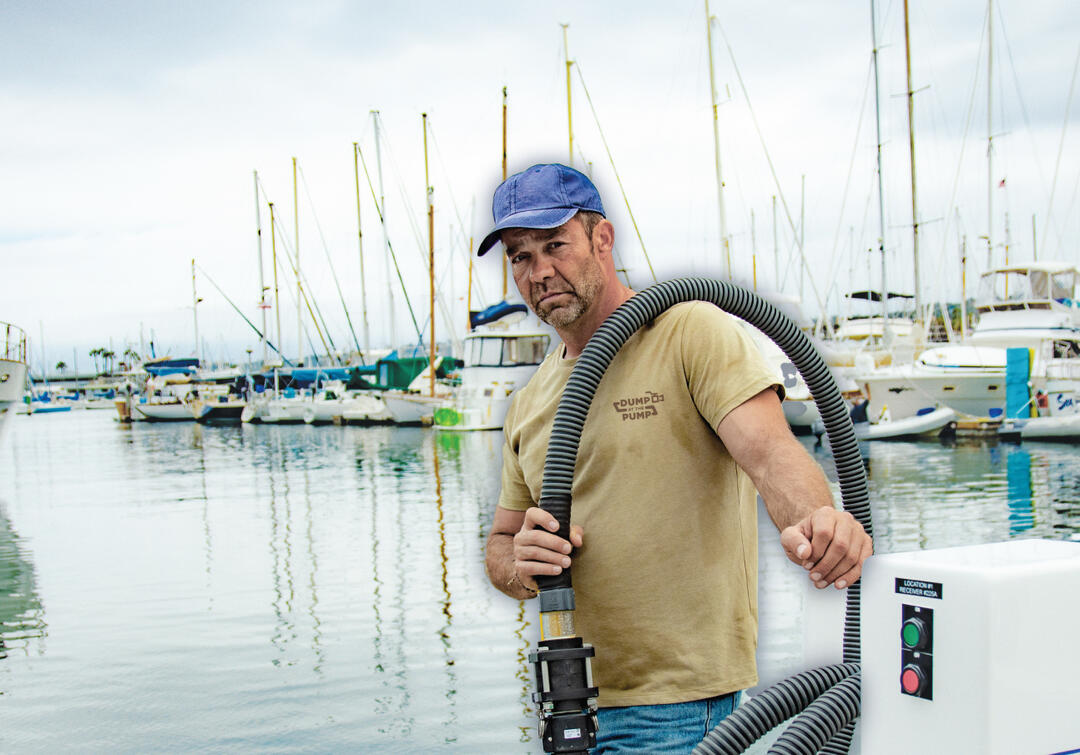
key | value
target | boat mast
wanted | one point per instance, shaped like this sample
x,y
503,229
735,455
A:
x,y
881,186
299,284
277,298
386,236
429,191
360,243
569,108
262,286
468,295
911,150
724,242
194,316
989,135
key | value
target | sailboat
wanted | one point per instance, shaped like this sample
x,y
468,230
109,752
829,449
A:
x,y
417,403
166,393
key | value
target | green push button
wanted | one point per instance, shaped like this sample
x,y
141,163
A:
x,y
910,634
915,634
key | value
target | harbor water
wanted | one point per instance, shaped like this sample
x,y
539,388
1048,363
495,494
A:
x,y
258,588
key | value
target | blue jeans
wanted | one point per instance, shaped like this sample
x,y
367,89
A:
x,y
674,728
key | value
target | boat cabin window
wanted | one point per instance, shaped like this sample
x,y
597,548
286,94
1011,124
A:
x,y
530,350
1010,286
1031,285
485,352
1062,286
504,352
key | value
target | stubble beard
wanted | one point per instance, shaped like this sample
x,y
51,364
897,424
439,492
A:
x,y
583,295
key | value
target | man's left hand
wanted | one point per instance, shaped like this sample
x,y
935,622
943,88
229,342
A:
x,y
831,545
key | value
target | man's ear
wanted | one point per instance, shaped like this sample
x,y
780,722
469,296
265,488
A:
x,y
604,236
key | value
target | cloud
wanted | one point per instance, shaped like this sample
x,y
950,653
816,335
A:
x,y
131,131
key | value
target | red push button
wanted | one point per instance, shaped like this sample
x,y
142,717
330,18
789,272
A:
x,y
911,679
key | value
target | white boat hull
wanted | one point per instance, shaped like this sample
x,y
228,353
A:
x,y
462,417
1063,427
161,412
929,424
411,408
904,393
285,410
358,408
12,384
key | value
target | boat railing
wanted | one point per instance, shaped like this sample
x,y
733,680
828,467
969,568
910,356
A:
x,y
14,342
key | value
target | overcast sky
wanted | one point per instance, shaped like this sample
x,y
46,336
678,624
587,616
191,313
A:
x,y
131,131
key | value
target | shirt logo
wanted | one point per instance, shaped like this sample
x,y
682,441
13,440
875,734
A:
x,y
638,407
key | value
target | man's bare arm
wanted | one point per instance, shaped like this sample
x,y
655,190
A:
x,y
828,543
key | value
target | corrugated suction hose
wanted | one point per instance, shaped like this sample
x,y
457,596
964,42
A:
x,y
829,720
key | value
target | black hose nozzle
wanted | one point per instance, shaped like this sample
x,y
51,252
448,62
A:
x,y
566,699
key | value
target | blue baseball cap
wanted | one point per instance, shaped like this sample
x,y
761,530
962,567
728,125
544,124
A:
x,y
543,196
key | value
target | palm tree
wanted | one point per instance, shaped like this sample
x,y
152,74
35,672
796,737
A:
x,y
108,355
94,354
130,358
61,366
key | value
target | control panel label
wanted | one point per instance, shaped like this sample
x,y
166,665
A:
x,y
918,588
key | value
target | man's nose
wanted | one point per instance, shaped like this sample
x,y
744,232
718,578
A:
x,y
542,269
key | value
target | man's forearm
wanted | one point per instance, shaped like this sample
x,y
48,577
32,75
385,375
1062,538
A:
x,y
499,564
793,486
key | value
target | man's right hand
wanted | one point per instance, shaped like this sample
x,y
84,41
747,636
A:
x,y
538,550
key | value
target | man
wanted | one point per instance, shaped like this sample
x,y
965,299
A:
x,y
685,424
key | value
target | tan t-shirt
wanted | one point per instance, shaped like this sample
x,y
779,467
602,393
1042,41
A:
x,y
666,582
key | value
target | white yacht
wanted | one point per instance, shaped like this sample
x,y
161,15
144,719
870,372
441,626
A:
x,y
13,355
501,355
1029,306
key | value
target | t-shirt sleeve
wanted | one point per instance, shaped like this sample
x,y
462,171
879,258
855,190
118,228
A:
x,y
722,364
514,493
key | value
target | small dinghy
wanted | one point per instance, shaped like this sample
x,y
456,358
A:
x,y
1061,427
929,422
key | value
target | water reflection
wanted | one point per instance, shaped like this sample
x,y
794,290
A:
x,y
22,618
451,719
298,588
926,495
1020,501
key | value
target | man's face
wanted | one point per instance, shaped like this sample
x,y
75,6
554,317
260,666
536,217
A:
x,y
557,270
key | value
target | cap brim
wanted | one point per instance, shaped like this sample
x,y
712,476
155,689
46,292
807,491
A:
x,y
546,218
